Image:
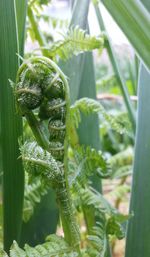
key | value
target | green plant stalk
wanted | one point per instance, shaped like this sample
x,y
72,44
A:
x,y
11,125
137,244
38,34
117,70
62,190
134,20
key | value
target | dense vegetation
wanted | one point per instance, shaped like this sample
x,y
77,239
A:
x,y
68,126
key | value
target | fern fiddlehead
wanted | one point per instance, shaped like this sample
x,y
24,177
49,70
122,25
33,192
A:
x,y
42,96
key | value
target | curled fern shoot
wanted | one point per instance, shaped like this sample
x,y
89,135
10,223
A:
x,y
42,96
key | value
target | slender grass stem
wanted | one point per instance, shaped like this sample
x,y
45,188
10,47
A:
x,y
117,70
38,34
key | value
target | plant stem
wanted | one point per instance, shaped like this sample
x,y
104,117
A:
x,y
70,228
37,130
38,35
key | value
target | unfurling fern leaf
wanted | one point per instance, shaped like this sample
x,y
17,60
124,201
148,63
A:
x,y
76,41
85,162
41,85
40,162
89,106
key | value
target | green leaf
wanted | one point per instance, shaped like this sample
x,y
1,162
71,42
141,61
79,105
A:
x,y
54,247
114,219
98,239
21,7
120,160
138,246
11,127
134,20
147,4
87,162
75,42
89,106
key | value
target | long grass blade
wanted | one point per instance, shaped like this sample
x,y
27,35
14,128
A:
x,y
73,67
134,19
146,4
139,226
21,8
11,126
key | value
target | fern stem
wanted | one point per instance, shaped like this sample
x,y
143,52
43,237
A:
x,y
37,131
70,228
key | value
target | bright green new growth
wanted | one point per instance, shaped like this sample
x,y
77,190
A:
x,y
89,106
42,96
76,41
42,87
53,247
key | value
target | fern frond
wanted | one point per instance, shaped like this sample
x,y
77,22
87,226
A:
x,y
89,106
123,171
120,160
32,196
120,192
54,247
38,3
85,162
40,162
97,240
75,42
114,218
